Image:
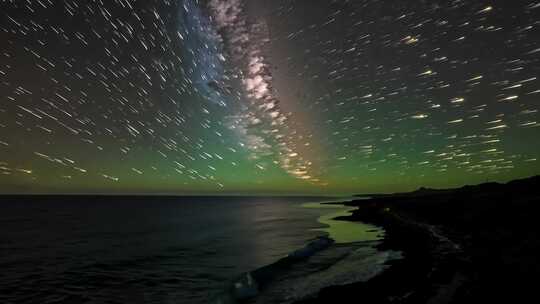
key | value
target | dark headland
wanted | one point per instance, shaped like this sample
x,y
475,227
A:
x,y
475,244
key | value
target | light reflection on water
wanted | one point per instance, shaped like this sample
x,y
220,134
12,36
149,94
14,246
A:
x,y
161,250
342,231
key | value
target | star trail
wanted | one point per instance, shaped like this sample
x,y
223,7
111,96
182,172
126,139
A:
x,y
285,96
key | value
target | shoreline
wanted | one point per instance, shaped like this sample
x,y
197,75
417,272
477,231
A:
x,y
311,262
471,244
406,279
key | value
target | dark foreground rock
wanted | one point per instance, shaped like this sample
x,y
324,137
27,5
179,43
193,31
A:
x,y
473,244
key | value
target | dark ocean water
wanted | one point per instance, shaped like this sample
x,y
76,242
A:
x,y
143,250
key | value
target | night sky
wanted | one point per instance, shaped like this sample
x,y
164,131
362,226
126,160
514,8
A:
x,y
266,97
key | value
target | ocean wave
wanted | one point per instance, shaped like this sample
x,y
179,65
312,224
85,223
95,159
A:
x,y
304,272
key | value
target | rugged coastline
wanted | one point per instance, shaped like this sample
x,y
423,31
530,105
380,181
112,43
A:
x,y
475,243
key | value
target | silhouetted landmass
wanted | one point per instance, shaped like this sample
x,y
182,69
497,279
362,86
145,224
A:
x,y
475,244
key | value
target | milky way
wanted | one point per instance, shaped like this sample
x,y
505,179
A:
x,y
247,43
203,47
267,96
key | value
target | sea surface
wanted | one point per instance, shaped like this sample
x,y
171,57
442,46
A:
x,y
169,250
